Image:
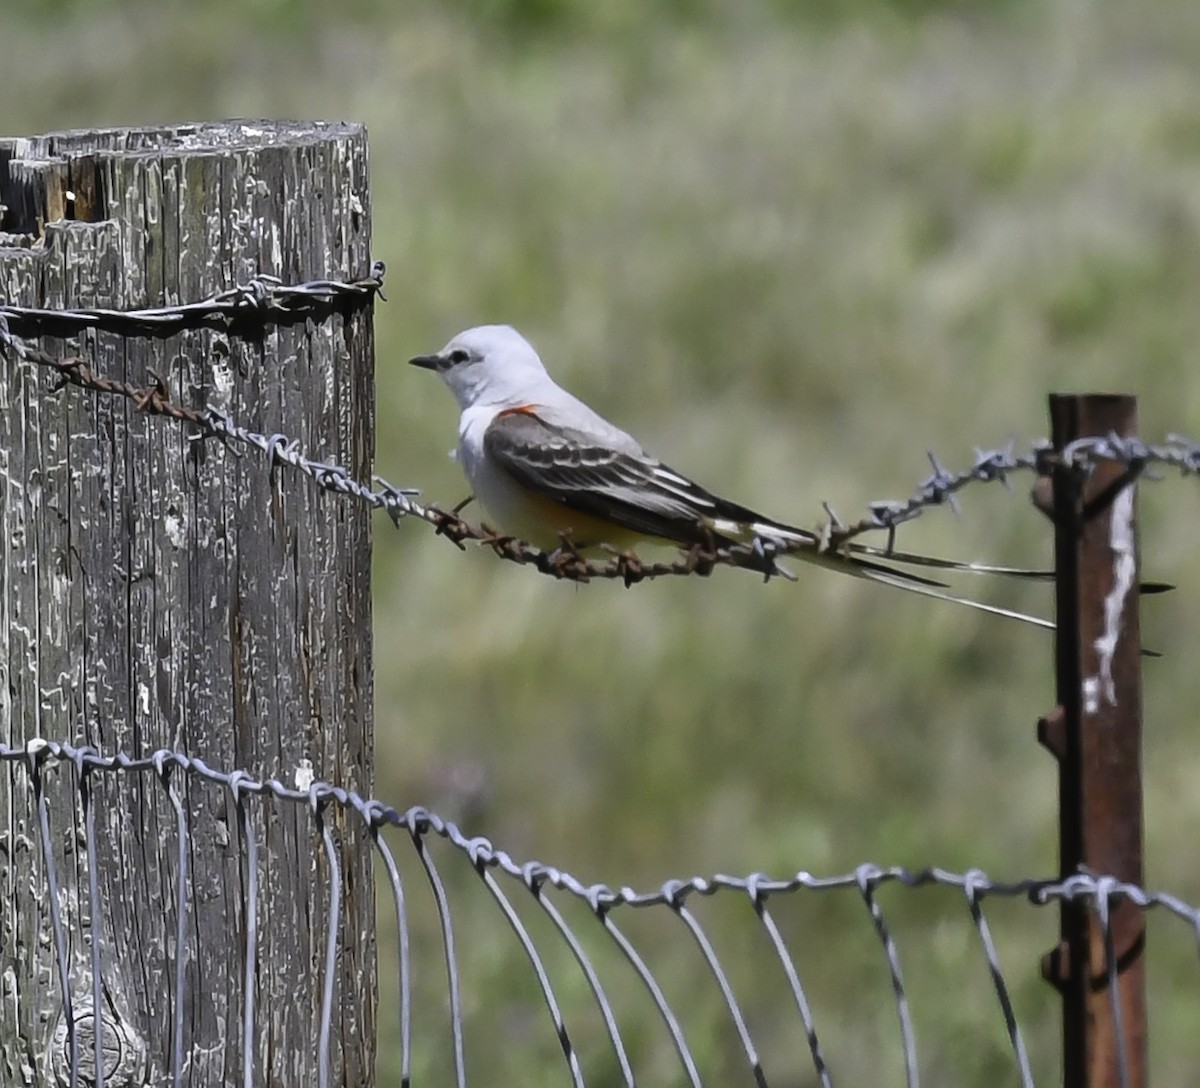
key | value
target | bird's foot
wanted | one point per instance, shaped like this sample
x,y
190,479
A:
x,y
567,561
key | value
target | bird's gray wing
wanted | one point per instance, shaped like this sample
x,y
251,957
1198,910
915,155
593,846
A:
x,y
625,487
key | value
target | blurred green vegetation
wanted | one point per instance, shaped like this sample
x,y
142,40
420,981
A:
x,y
791,247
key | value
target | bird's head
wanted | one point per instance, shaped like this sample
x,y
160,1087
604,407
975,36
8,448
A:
x,y
491,364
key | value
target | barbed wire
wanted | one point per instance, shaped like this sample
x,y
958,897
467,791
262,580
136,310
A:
x,y
260,302
1099,893
835,538
997,465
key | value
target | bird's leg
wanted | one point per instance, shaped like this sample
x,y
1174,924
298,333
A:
x,y
566,543
567,557
462,505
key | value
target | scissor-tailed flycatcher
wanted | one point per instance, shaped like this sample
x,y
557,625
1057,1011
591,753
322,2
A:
x,y
544,465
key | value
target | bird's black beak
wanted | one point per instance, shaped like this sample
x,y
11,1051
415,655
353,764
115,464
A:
x,y
429,362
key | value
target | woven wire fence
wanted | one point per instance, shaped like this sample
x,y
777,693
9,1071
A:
x,y
509,886
507,882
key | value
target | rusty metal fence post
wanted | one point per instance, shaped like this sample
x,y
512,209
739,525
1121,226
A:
x,y
1095,733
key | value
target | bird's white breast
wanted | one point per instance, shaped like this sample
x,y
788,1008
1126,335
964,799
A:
x,y
506,503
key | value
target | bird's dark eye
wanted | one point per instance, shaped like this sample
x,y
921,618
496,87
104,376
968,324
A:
x,y
458,355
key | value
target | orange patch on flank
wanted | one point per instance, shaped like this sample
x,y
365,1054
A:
x,y
519,410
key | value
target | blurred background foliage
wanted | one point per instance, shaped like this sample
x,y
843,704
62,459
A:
x,y
790,246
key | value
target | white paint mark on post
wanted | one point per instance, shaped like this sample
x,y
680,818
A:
x,y
1124,578
304,774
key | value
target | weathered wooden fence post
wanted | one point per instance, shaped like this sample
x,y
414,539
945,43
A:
x,y
158,592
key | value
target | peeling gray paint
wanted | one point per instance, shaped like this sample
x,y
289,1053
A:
x,y
156,592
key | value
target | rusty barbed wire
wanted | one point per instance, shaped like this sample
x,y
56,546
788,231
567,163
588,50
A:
x,y
261,301
266,298
1099,892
